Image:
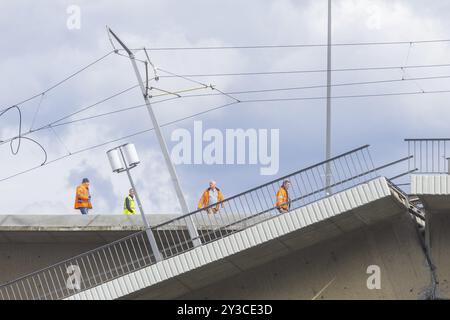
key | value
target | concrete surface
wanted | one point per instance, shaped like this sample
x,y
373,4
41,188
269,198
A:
x,y
64,229
78,222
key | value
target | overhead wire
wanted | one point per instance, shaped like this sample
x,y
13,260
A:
x,y
20,137
42,94
47,126
58,123
227,94
207,111
405,73
65,79
244,92
295,45
37,111
232,74
106,143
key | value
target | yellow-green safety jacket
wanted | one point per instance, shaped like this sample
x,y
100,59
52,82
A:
x,y
129,206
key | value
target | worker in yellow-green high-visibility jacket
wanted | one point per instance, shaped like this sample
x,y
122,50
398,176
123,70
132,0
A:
x,y
129,206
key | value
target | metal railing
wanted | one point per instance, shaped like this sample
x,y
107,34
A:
x,y
83,271
258,204
234,214
429,155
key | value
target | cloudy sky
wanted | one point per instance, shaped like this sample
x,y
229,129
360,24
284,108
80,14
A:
x,y
39,50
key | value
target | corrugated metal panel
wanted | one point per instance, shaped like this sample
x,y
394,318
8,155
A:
x,y
117,290
96,293
301,217
119,287
101,293
315,213
195,258
309,216
152,276
261,232
430,184
218,250
123,281
88,295
272,230
167,269
327,207
336,205
231,246
205,253
110,291
139,279
283,224
161,271
246,240
252,236
183,262
239,242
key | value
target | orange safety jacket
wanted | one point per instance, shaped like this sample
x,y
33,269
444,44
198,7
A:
x,y
204,200
282,199
82,199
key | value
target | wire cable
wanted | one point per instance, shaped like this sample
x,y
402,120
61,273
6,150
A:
x,y
210,86
58,123
47,126
306,71
207,111
37,111
20,137
403,79
348,96
19,127
66,78
60,140
108,142
94,104
297,45
244,92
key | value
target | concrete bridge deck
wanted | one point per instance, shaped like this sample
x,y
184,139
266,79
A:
x,y
345,227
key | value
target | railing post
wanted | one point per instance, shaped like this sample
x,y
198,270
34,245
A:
x,y
448,165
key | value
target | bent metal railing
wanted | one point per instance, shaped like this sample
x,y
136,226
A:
x,y
235,213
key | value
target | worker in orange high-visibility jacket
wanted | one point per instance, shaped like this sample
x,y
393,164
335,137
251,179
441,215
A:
x,y
283,202
209,197
82,197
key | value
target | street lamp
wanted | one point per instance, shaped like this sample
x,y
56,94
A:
x,y
124,158
162,143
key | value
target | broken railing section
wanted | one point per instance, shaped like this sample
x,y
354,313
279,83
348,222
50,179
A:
x,y
235,213
411,203
429,155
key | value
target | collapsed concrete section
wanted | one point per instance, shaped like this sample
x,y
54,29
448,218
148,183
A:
x,y
338,268
322,250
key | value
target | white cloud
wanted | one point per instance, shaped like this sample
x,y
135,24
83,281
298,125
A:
x,y
47,52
